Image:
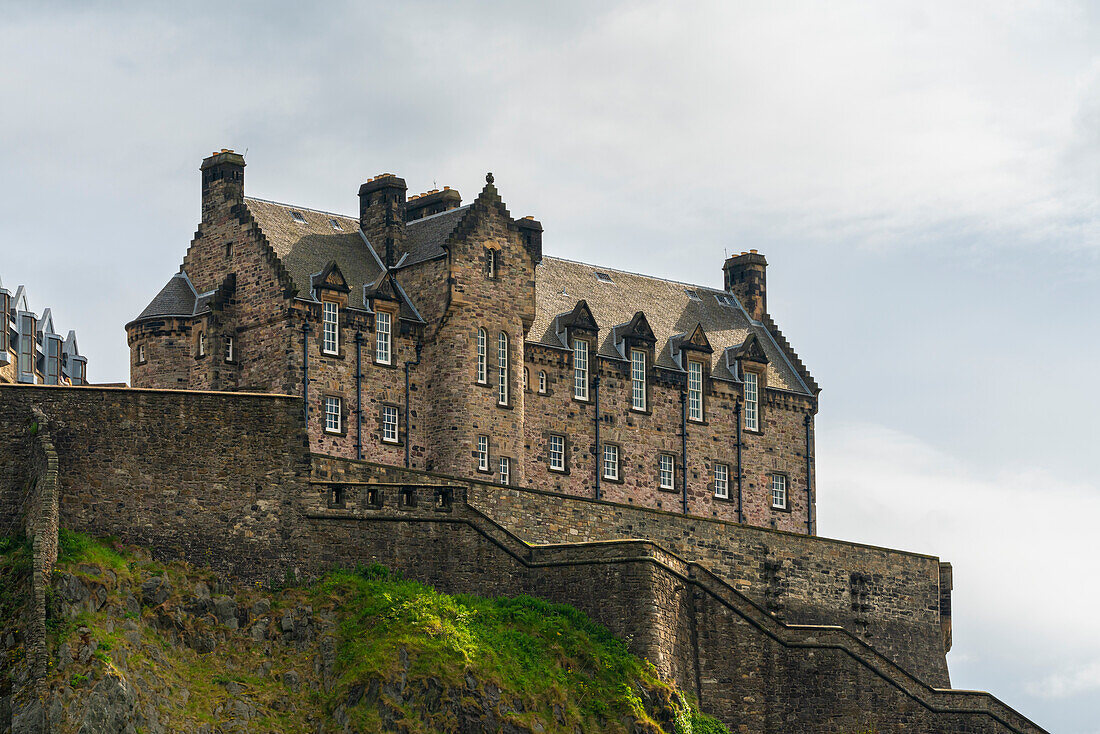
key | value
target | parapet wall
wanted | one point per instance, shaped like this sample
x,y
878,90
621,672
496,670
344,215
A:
x,y
226,480
208,477
891,599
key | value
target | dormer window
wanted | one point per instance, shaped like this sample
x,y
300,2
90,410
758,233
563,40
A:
x,y
331,334
692,294
725,300
638,396
695,391
27,351
580,369
297,217
383,325
603,277
752,401
5,304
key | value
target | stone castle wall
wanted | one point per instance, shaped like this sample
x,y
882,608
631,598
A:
x,y
226,480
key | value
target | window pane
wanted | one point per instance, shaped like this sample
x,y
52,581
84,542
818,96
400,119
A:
x,y
332,327
556,452
481,351
580,369
752,419
695,391
667,471
637,379
610,461
721,480
389,423
505,471
502,369
382,338
483,453
332,414
779,491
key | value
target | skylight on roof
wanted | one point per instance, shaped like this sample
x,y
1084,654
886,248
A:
x,y
603,277
692,294
297,217
725,300
335,225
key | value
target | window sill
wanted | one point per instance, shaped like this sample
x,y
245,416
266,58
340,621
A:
x,y
666,489
388,442
332,355
506,406
552,470
616,480
327,432
786,509
486,470
640,411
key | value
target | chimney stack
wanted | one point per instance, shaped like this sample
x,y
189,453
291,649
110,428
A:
x,y
222,182
382,215
746,278
432,202
531,230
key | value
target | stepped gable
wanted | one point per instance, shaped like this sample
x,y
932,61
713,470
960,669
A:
x,y
306,248
425,237
669,309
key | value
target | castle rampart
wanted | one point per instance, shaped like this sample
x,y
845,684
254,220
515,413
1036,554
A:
x,y
227,480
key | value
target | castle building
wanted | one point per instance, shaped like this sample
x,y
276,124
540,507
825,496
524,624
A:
x,y
31,351
434,335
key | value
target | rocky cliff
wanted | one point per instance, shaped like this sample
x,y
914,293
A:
x,y
139,646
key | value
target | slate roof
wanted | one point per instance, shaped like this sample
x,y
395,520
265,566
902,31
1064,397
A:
x,y
176,298
305,248
424,237
671,312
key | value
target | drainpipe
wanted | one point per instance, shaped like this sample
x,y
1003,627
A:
x,y
598,454
740,499
358,395
305,370
809,490
408,433
684,439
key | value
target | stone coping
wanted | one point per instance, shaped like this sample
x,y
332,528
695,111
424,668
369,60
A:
x,y
116,388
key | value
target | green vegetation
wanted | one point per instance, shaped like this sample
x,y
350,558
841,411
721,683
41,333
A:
x,y
15,571
545,663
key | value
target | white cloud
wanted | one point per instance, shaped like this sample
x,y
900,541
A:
x,y
1081,679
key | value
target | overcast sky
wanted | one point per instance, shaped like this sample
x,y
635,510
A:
x,y
923,177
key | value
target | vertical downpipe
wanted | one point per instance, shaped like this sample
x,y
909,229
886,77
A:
x,y
597,454
358,394
305,372
684,440
740,497
809,473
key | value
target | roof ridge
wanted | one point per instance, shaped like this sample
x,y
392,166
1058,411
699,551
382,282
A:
x,y
298,207
636,275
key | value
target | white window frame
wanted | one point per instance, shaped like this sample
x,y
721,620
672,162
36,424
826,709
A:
x,y
666,470
482,359
141,353
383,333
611,462
639,398
779,491
695,391
580,369
229,348
505,470
721,481
202,343
390,428
483,453
752,401
555,452
542,382
525,377
492,258
330,341
334,414
502,369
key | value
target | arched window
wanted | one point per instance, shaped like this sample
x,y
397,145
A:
x,y
202,344
481,347
502,369
525,379
542,382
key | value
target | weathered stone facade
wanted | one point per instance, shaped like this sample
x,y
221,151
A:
x,y
227,480
481,377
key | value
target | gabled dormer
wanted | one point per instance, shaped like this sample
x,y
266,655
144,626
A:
x,y
695,341
329,281
26,329
51,349
578,322
5,319
634,334
749,354
75,366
